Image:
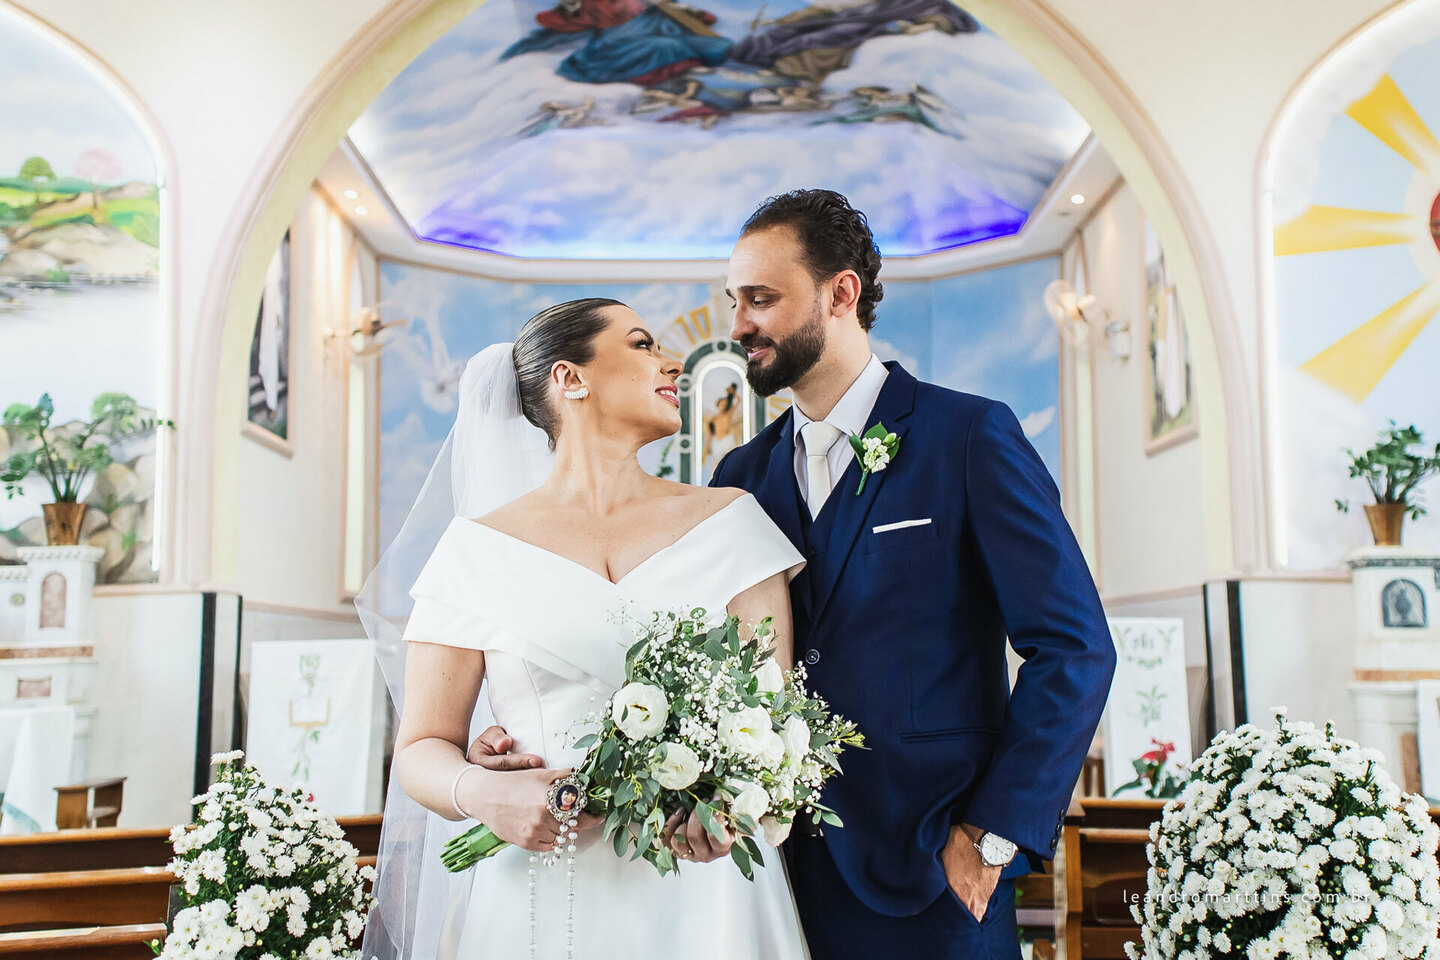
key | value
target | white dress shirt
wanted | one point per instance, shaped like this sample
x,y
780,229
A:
x,y
850,415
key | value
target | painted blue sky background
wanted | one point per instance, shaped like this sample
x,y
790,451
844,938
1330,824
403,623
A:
x,y
445,139
983,333
56,108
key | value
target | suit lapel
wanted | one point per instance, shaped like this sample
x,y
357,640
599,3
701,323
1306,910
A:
x,y
777,494
892,407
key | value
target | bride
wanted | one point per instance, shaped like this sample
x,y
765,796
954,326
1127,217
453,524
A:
x,y
551,526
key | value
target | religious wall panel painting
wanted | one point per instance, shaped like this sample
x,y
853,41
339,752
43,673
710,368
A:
x,y
635,129
80,204
268,407
1147,717
1169,380
1355,182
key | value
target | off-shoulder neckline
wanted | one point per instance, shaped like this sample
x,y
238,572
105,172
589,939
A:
x,y
592,571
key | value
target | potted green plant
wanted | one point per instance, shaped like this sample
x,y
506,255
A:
x,y
1392,472
65,456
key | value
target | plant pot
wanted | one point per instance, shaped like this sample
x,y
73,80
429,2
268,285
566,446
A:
x,y
1386,519
63,521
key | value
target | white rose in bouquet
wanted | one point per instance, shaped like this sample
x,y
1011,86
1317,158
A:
x,y
749,732
769,677
775,831
795,734
679,768
640,710
751,800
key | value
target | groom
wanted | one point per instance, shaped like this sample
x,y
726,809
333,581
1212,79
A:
x,y
902,611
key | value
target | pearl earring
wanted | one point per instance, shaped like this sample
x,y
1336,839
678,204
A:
x,y
578,394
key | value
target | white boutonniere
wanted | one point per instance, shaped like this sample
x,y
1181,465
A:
x,y
874,449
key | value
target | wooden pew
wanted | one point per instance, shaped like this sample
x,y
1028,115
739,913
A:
x,y
116,847
105,877
88,898
128,942
83,898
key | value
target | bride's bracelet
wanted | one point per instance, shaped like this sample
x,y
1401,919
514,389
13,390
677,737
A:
x,y
455,789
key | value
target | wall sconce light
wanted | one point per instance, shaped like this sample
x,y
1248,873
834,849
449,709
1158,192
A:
x,y
1079,318
368,333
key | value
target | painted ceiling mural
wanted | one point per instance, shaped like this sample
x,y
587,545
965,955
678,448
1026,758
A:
x,y
631,129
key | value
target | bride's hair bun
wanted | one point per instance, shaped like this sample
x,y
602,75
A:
x,y
565,331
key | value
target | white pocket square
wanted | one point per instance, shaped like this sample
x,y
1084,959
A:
x,y
899,525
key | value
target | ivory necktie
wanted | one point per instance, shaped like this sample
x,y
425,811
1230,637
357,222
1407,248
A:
x,y
819,437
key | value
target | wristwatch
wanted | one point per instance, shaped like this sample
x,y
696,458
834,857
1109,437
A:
x,y
995,850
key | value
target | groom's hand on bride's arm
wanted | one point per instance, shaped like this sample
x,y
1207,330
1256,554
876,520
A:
x,y
970,877
491,750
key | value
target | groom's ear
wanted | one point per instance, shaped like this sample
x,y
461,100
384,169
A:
x,y
845,292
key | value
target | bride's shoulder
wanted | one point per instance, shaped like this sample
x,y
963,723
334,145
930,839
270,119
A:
x,y
507,517
703,501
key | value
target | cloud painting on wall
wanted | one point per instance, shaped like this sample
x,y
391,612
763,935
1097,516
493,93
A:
x,y
631,129
1357,280
79,263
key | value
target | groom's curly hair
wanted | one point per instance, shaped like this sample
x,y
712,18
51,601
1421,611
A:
x,y
834,236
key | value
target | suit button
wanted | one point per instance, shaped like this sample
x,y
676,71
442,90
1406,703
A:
x,y
812,656
810,553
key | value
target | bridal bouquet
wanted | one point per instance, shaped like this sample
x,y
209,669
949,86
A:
x,y
706,723
265,873
1293,842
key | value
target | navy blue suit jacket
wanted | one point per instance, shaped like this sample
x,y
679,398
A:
x,y
904,632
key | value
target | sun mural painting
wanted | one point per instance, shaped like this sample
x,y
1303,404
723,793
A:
x,y
1355,363
1355,179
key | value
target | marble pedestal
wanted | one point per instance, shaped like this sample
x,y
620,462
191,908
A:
x,y
1397,590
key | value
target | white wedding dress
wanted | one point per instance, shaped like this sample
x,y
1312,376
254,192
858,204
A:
x,y
553,653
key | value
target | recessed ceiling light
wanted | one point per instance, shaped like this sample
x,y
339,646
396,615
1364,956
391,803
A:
x,y
1077,198
361,210
351,195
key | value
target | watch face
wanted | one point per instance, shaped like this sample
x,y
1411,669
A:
x,y
996,850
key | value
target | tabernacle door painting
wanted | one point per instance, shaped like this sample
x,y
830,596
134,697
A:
x,y
722,412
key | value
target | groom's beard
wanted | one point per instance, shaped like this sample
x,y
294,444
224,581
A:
x,y
791,358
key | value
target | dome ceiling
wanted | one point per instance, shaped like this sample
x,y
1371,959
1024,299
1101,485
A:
x,y
621,129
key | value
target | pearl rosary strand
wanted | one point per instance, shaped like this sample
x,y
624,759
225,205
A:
x,y
564,844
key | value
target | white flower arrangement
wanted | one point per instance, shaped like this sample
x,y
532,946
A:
x,y
1290,842
265,873
708,723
